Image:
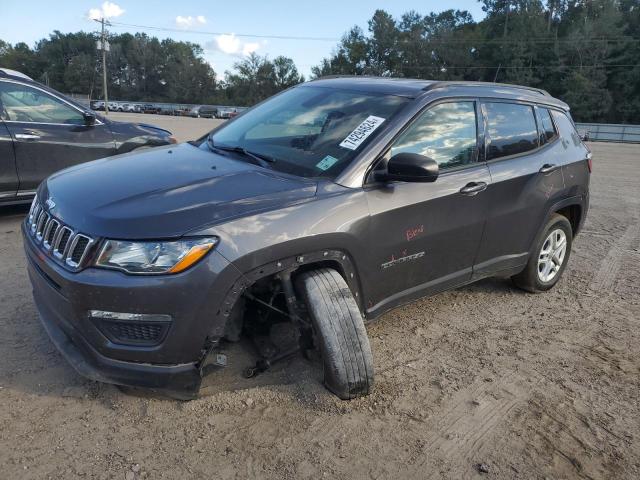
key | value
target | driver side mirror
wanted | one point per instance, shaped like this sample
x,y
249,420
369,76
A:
x,y
89,118
410,167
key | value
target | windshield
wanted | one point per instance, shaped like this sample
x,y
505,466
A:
x,y
311,131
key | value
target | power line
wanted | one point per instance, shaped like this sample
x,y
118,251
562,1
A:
x,y
514,67
617,39
246,35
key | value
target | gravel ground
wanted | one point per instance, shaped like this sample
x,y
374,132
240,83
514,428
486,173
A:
x,y
481,382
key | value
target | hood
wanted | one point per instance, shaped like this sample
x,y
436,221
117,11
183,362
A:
x,y
165,192
148,126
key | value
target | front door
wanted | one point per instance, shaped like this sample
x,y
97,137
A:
x,y
48,133
424,236
8,174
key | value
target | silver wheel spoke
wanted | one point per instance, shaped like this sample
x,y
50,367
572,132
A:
x,y
551,256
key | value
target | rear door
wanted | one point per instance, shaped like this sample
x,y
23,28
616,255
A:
x,y
424,236
526,178
48,133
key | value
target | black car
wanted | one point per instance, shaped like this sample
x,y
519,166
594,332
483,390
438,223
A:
x,y
42,131
207,111
327,205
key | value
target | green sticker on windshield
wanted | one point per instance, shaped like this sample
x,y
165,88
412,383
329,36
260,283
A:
x,y
326,163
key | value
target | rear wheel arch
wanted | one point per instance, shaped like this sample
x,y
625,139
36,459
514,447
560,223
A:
x,y
573,213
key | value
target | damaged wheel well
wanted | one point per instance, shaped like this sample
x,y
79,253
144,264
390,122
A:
x,y
268,273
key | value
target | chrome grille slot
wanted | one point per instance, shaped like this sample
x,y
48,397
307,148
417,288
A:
x,y
57,239
34,222
78,250
50,233
62,242
34,204
42,221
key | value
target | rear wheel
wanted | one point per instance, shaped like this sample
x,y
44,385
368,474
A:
x,y
548,258
339,333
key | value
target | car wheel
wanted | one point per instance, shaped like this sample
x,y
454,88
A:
x,y
339,333
548,258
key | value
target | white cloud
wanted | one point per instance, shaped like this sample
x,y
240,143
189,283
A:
x,y
108,10
188,22
232,45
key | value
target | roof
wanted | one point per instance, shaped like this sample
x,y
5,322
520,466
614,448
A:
x,y
411,87
408,87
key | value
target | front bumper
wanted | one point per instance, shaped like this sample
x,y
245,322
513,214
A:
x,y
192,298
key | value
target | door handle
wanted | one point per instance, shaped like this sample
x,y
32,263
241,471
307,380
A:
x,y
548,168
27,136
473,188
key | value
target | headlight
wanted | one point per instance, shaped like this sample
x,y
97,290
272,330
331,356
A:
x,y
153,257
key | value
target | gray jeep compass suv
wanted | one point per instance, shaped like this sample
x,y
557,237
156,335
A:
x,y
324,206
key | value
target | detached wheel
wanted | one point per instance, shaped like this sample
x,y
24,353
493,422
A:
x,y
548,258
339,333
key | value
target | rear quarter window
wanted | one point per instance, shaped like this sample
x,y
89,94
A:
x,y
511,129
567,128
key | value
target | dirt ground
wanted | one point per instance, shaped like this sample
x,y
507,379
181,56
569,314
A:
x,y
183,128
531,386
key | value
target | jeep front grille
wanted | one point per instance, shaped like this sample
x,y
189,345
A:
x,y
57,239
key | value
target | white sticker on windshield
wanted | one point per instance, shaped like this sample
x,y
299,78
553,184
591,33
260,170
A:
x,y
361,132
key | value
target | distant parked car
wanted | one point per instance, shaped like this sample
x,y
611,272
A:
x,y
97,105
42,131
207,111
149,108
585,135
194,111
225,112
165,110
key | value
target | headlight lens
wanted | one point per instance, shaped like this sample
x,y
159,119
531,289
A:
x,y
154,257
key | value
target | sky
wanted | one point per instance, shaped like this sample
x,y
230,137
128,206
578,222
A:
x,y
222,22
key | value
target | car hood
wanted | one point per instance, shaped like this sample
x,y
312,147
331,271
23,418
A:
x,y
165,192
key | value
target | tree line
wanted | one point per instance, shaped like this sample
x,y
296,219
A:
x,y
144,68
586,52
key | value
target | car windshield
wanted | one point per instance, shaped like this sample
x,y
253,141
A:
x,y
310,131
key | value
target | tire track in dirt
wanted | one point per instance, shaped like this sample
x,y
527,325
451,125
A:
x,y
467,426
605,278
471,419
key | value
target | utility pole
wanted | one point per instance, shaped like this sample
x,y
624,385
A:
x,y
104,45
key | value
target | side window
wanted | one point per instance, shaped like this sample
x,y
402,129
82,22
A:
x,y
447,133
511,129
21,103
567,128
547,129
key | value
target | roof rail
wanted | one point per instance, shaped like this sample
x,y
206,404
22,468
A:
x,y
7,72
442,84
343,75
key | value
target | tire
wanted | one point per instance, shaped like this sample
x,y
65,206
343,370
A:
x,y
533,278
339,333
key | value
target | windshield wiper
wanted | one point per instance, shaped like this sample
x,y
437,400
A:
x,y
258,158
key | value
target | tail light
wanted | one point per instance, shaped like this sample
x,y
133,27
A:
x,y
589,163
